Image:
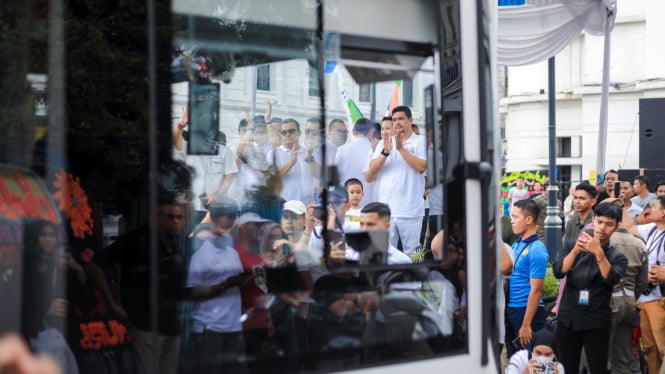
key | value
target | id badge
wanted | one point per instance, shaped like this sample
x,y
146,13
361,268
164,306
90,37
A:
x,y
584,297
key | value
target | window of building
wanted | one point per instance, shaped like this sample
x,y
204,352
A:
x,y
365,93
564,147
313,82
263,78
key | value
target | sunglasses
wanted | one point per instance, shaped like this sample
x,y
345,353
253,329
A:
x,y
174,216
288,132
312,132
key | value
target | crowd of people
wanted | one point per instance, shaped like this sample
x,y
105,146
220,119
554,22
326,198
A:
x,y
272,261
275,261
265,210
609,306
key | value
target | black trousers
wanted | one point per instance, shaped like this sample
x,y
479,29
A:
x,y
219,352
594,341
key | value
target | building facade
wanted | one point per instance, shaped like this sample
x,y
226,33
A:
x,y
637,71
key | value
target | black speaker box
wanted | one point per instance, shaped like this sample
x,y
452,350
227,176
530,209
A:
x,y
652,133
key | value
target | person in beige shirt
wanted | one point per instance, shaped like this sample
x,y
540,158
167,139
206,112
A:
x,y
625,314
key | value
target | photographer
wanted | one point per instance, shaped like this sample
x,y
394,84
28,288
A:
x,y
540,359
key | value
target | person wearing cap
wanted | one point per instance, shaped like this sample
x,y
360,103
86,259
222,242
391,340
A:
x,y
592,267
398,165
217,223
293,224
352,157
541,356
256,324
216,322
625,314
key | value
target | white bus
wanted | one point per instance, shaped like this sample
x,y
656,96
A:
x,y
119,78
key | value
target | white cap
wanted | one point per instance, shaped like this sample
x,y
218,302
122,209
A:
x,y
250,217
295,206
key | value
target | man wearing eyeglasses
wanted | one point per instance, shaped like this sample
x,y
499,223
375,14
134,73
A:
x,y
337,135
292,161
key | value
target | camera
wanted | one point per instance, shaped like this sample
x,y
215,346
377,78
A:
x,y
320,212
547,368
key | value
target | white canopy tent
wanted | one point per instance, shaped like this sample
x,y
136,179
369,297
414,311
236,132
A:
x,y
541,28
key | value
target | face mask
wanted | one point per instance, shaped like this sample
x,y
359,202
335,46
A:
x,y
544,360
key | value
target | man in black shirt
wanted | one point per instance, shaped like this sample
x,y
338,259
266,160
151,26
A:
x,y
132,253
592,267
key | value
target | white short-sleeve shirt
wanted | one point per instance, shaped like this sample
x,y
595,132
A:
x,y
399,185
211,265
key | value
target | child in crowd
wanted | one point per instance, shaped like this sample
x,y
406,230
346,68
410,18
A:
x,y
354,188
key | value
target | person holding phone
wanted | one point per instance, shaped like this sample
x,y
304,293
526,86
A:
x,y
592,267
214,281
610,179
540,359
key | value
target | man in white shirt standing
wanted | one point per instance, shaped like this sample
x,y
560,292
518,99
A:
x,y
293,162
642,194
398,165
337,135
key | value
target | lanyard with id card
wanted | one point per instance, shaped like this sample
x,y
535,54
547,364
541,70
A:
x,y
584,297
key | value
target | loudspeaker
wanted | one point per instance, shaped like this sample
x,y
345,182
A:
x,y
652,133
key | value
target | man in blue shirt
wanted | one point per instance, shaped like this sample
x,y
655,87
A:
x,y
525,311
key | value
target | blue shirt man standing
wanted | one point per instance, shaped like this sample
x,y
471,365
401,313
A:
x,y
525,312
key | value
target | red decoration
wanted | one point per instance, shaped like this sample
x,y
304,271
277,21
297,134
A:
x,y
72,200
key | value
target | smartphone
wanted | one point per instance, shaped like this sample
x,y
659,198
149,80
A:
x,y
590,232
517,343
617,189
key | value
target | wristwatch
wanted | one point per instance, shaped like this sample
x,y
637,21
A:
x,y
309,159
383,152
